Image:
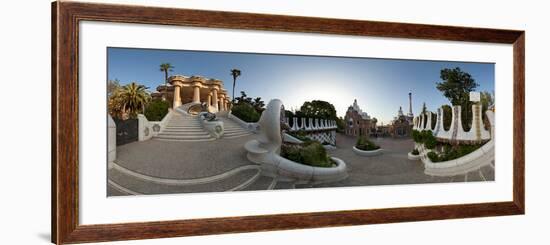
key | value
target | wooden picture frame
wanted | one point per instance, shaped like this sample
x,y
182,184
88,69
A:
x,y
65,121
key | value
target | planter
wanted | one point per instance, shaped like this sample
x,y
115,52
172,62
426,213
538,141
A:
x,y
214,128
413,157
302,173
368,153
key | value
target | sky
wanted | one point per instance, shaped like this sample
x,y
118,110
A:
x,y
380,86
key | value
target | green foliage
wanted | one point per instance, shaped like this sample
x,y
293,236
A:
x,y
433,156
451,152
166,67
256,103
128,101
318,109
234,73
340,124
310,153
456,86
447,116
156,110
415,152
424,137
365,145
245,112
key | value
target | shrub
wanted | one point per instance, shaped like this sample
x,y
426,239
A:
x,y
425,137
365,145
245,112
433,156
429,140
453,152
416,136
156,110
310,153
415,152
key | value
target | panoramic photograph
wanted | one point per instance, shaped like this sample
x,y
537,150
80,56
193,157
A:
x,y
186,121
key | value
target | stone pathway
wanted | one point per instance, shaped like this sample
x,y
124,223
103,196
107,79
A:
x,y
158,167
390,168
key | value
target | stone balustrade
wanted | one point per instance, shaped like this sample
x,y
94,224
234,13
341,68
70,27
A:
x,y
456,132
309,124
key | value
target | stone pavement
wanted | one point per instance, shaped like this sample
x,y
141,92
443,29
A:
x,y
390,168
158,167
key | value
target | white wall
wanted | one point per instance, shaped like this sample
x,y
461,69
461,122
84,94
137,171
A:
x,y
25,154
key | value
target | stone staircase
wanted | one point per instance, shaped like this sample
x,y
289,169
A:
x,y
183,127
232,129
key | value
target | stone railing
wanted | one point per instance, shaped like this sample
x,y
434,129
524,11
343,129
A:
x,y
456,133
322,130
147,129
309,124
470,162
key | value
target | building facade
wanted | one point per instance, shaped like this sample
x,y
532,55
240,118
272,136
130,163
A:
x,y
183,90
358,122
402,125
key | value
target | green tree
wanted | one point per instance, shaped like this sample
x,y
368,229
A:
x,y
234,73
165,67
318,109
456,86
129,100
156,110
447,116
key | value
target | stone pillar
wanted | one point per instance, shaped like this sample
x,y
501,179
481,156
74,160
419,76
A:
x,y
177,97
210,99
215,98
196,94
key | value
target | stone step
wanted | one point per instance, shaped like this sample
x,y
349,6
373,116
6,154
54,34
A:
x,y
172,133
237,181
183,140
183,130
183,137
234,130
236,133
183,126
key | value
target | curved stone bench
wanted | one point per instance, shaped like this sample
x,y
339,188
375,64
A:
x,y
471,162
368,153
265,151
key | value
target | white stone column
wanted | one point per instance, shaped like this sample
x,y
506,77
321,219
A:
x,y
177,96
215,97
196,94
209,99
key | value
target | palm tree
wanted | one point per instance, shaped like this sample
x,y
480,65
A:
x,y
165,67
235,73
131,99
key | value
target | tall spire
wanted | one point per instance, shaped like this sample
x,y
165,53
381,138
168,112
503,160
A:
x,y
410,105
